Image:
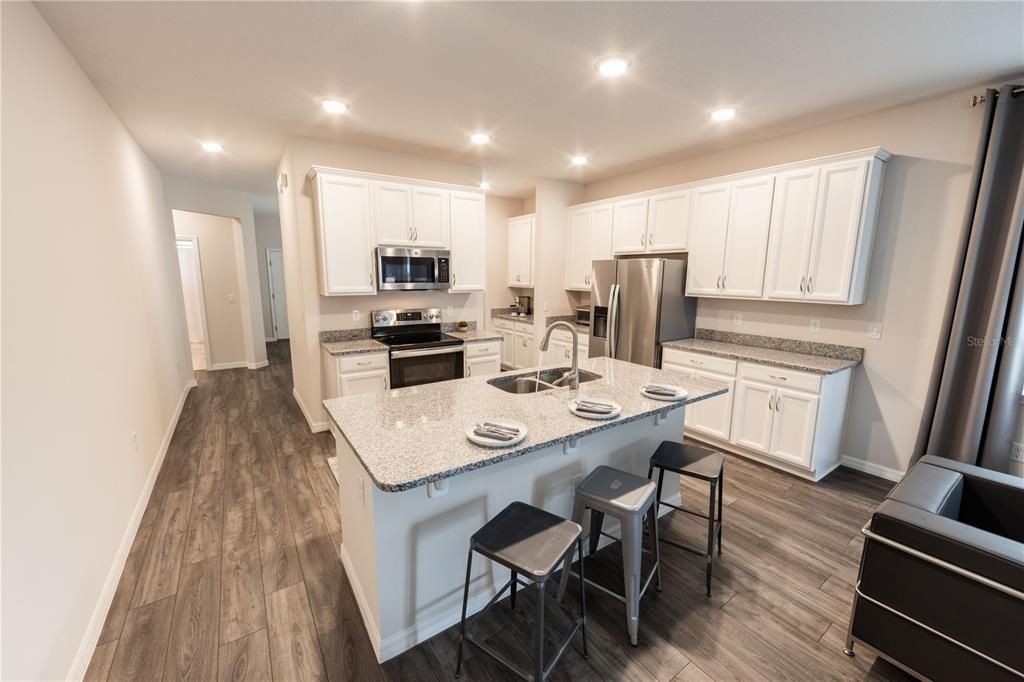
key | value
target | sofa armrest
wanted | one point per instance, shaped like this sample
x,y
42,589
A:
x,y
985,554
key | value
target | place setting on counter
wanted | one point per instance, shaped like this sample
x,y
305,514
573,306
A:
x,y
496,432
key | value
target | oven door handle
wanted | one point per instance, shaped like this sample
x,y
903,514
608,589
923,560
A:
x,y
421,352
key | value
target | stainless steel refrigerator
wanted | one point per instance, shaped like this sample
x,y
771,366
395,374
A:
x,y
635,305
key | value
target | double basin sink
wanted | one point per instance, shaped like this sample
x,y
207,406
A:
x,y
536,382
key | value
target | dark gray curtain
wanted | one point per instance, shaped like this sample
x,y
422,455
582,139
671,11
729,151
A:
x,y
978,381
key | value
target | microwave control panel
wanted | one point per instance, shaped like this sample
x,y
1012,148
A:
x,y
442,271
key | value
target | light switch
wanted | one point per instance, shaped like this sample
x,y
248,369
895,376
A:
x,y
451,312
875,330
355,315
815,326
231,298
737,319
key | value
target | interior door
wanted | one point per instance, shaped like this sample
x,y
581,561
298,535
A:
x,y
430,216
792,228
796,414
668,221
393,213
750,210
629,226
708,229
468,235
752,415
578,270
836,230
278,300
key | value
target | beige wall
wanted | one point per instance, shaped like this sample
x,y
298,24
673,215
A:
x,y
189,195
95,349
217,246
268,236
499,210
920,223
553,198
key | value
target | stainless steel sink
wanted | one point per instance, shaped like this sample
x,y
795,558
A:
x,y
532,382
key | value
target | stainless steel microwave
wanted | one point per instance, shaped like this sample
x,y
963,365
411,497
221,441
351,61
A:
x,y
403,269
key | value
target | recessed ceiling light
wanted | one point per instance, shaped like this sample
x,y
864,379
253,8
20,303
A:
x,y
579,160
609,67
485,185
479,138
333,106
213,147
724,114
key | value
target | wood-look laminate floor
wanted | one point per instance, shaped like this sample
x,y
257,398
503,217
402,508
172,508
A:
x,y
234,573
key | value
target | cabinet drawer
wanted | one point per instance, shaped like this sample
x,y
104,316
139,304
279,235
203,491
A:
x,y
708,363
525,327
480,349
362,362
504,325
778,376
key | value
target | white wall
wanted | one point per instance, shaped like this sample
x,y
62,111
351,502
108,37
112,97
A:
x,y
188,195
218,237
268,236
94,343
499,210
919,226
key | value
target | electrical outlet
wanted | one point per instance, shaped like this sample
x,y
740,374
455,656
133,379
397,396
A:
x,y
231,298
815,326
875,330
355,315
451,312
1017,452
737,319
135,442
547,307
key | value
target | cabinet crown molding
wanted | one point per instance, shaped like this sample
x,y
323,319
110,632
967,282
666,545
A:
x,y
316,170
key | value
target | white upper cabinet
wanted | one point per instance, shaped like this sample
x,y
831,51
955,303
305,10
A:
x,y
629,226
789,246
393,213
577,270
520,251
830,271
750,209
344,235
600,234
408,215
707,240
430,217
668,221
468,245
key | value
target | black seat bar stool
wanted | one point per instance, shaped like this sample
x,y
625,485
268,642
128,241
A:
x,y
700,463
533,543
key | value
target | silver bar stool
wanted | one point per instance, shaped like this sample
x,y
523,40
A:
x,y
700,463
530,542
628,498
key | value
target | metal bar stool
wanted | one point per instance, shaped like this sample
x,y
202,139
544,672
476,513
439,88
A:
x,y
531,542
694,462
628,498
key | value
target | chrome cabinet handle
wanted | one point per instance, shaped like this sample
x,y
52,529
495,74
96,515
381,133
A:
x,y
770,406
453,279
410,233
802,284
696,362
363,364
777,378
643,239
718,282
469,370
810,289
778,404
723,281
650,240
371,271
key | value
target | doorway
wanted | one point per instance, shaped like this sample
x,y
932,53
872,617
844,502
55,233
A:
x,y
278,302
195,305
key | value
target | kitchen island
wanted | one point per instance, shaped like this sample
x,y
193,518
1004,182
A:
x,y
413,489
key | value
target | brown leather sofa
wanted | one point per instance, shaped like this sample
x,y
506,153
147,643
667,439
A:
x,y
940,591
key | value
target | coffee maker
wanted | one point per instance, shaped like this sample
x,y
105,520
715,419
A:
x,y
521,305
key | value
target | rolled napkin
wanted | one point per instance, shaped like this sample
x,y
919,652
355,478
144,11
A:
x,y
494,435
591,408
598,404
510,430
655,389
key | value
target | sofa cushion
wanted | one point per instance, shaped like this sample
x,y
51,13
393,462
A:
x,y
930,488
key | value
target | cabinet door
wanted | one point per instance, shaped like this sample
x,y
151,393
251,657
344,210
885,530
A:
x,y
508,348
346,236
577,274
600,235
668,222
629,226
789,243
708,229
520,252
796,414
359,383
483,366
526,351
752,415
750,211
714,415
430,217
559,353
393,213
836,231
468,245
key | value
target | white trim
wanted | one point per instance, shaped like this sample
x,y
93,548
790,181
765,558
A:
x,y
258,365
365,175
315,427
270,339
228,365
364,605
99,614
270,290
888,473
202,293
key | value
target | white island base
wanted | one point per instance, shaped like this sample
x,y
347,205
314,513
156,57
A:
x,y
405,552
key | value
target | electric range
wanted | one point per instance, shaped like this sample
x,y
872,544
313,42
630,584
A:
x,y
420,353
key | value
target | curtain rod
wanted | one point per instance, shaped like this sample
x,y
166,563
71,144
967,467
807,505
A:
x,y
980,99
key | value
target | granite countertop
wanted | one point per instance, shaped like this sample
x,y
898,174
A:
x,y
805,362
475,335
513,318
411,436
353,346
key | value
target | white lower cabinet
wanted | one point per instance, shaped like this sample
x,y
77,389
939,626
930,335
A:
x,y
526,352
508,341
560,348
782,417
483,358
356,374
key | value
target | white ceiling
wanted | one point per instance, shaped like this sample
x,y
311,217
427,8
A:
x,y
420,76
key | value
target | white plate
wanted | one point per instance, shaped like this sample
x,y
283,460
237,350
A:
x,y
492,443
680,394
616,410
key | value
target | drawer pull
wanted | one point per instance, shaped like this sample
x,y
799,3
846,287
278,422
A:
x,y
696,362
362,364
778,378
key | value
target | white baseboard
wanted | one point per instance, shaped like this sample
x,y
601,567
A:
x,y
315,427
271,339
99,615
227,365
257,365
888,473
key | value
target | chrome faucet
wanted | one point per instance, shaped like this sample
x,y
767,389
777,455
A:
x,y
573,375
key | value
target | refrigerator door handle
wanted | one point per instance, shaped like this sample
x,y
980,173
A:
x,y
613,319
